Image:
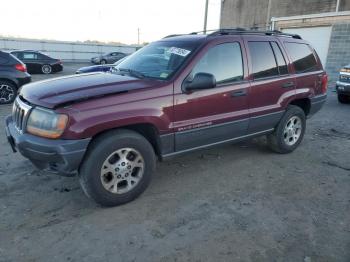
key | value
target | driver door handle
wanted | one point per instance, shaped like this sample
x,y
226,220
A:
x,y
238,93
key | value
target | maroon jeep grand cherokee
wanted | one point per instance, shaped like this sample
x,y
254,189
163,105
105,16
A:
x,y
181,93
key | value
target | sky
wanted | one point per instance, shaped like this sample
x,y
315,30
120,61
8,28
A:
x,y
105,20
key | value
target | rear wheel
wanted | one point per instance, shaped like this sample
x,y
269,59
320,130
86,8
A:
x,y
289,132
8,92
343,99
118,167
46,69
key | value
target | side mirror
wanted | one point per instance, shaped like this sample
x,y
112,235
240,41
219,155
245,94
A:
x,y
199,81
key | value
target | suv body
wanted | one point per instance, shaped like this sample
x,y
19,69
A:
x,y
13,74
38,62
343,85
210,89
108,58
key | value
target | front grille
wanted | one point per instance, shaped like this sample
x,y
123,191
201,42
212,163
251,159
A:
x,y
20,112
344,78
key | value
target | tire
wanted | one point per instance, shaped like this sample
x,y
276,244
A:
x,y
283,140
103,62
8,92
343,99
46,69
99,180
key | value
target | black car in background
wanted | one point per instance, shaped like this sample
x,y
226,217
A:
x,y
108,58
98,68
13,74
37,62
343,85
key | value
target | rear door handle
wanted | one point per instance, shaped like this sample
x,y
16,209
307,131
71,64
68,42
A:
x,y
239,93
288,84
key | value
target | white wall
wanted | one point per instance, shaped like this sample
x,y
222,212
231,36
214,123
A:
x,y
66,51
318,37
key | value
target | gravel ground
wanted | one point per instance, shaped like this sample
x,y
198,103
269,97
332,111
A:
x,y
237,202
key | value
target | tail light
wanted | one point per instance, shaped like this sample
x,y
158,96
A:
x,y
21,67
324,84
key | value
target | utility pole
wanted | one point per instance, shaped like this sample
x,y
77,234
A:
x,y
206,16
138,36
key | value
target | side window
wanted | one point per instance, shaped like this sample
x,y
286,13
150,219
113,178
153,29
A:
x,y
224,61
263,60
281,62
302,56
29,56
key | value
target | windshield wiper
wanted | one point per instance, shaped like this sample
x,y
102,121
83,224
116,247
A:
x,y
132,72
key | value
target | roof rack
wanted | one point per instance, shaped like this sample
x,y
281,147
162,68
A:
x,y
237,31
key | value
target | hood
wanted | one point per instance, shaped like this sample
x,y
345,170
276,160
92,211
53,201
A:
x,y
62,90
347,66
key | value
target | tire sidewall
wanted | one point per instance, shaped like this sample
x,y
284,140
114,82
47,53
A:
x,y
14,88
291,111
91,168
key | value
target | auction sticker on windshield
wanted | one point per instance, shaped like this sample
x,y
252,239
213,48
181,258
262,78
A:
x,y
179,51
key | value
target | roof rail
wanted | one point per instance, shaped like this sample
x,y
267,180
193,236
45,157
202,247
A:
x,y
172,35
237,31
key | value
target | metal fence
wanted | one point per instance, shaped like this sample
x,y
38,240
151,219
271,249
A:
x,y
66,51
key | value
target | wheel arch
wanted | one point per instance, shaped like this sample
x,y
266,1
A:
x,y
303,103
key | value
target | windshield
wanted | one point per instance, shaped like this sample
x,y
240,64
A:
x,y
158,60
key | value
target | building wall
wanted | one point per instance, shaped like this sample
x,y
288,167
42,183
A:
x,y
66,51
338,52
257,13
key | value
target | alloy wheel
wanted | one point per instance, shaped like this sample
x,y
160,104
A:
x,y
122,170
292,130
6,93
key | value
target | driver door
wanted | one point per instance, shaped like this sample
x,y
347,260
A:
x,y
209,116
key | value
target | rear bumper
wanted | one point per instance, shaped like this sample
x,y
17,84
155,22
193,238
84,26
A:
x,y
343,88
59,156
316,103
24,80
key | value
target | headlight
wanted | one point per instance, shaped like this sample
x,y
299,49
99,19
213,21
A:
x,y
46,123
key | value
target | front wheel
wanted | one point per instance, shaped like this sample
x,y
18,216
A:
x,y
117,168
289,132
343,99
103,62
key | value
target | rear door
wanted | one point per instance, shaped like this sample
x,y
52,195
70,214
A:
x,y
271,83
31,61
209,116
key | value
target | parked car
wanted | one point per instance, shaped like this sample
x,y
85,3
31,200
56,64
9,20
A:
x,y
38,62
13,74
343,85
197,91
108,58
99,68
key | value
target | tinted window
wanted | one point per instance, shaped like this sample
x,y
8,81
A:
x,y
223,61
302,57
29,56
263,60
281,62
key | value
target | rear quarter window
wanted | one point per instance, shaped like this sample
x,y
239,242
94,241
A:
x,y
302,57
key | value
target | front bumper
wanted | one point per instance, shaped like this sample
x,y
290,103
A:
x,y
316,103
342,88
59,156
